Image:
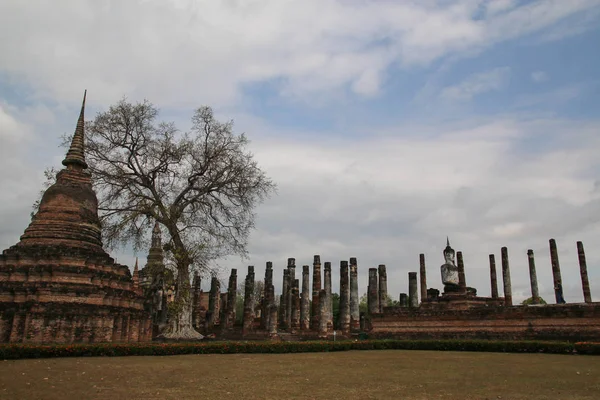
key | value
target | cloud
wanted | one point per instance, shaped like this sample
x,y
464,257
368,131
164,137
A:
x,y
539,76
191,50
477,84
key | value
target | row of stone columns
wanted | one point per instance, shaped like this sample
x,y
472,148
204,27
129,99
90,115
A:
x,y
556,275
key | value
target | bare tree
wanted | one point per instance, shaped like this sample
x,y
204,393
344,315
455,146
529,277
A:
x,y
201,186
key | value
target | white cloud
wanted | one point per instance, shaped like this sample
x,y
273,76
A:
x,y
539,76
477,84
205,50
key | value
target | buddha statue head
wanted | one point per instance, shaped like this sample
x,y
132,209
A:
x,y
448,253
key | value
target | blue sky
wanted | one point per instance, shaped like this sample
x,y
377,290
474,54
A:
x,y
387,124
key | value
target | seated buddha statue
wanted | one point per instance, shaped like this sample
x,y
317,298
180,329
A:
x,y
449,270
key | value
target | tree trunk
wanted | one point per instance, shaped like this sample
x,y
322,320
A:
x,y
180,325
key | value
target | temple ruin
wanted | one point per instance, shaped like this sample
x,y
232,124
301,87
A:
x,y
57,284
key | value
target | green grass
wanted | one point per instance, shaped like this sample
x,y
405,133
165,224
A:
x,y
382,374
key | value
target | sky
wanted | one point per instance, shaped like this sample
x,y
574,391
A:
x,y
387,125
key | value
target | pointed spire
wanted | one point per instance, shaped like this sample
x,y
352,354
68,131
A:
x,y
136,269
447,241
75,155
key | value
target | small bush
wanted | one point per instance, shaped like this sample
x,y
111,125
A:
x,y
16,351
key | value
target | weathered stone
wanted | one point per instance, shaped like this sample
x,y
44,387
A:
x,y
328,297
558,289
305,300
585,284
291,267
214,304
403,300
57,284
462,281
273,321
324,315
295,305
196,300
231,300
268,296
413,296
506,277
493,276
382,287
316,288
285,291
535,294
344,315
354,300
423,276
373,292
248,317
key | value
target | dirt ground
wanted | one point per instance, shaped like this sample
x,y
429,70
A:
x,y
389,374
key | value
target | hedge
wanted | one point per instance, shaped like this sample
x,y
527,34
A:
x,y
17,351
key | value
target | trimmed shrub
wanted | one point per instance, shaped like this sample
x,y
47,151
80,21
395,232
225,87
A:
x,y
16,351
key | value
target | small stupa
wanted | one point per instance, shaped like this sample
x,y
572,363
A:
x,y
57,284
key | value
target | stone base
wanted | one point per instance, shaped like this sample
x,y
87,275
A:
x,y
460,301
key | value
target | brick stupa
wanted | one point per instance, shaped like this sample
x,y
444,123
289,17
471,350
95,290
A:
x,y
58,285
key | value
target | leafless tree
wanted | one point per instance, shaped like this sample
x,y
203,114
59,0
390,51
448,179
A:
x,y
201,186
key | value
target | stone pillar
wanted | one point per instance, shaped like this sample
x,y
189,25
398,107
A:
x,y
585,284
289,304
231,298
248,318
535,294
296,305
281,311
316,288
328,297
285,290
423,276
403,300
196,297
493,277
558,290
354,300
506,278
462,281
373,292
214,299
268,296
344,314
382,287
323,315
273,321
305,300
413,296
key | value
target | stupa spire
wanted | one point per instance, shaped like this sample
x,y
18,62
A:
x,y
75,155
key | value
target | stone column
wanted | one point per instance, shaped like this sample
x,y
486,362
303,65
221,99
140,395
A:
x,y
281,312
344,321
214,299
285,290
323,315
296,305
413,296
248,318
305,301
354,300
506,277
328,297
289,305
493,277
268,299
316,288
231,298
403,300
585,284
196,297
535,294
382,287
423,276
273,321
373,292
462,281
558,290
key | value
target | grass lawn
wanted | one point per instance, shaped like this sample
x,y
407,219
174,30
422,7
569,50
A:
x,y
382,374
